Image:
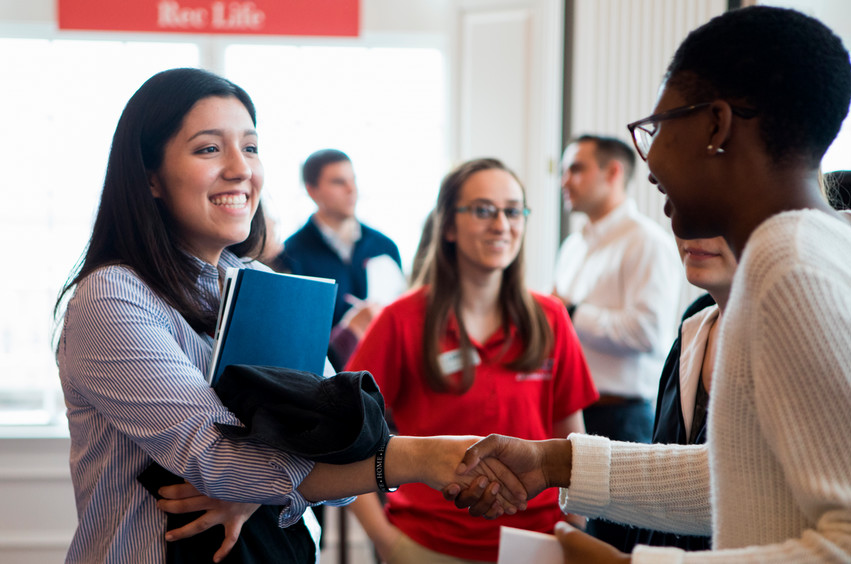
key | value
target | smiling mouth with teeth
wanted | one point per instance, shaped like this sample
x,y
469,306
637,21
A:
x,y
230,200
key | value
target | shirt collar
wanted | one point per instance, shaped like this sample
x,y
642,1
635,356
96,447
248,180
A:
x,y
595,230
207,271
496,340
342,241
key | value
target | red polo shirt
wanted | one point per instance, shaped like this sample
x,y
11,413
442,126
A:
x,y
501,400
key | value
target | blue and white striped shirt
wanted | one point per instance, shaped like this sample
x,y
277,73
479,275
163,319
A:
x,y
132,371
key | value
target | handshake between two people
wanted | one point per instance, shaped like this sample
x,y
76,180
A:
x,y
499,474
489,477
509,471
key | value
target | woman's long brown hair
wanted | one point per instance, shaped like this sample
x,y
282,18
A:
x,y
440,274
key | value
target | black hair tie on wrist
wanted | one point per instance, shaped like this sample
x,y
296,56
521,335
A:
x,y
380,479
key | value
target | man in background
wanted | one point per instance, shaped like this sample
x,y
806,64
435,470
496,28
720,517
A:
x,y
334,244
619,278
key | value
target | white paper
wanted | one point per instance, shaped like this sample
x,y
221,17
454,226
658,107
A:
x,y
385,281
517,546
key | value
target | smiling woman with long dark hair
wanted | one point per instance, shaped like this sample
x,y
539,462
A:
x,y
180,204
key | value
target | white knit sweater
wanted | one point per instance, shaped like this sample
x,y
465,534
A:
x,y
773,483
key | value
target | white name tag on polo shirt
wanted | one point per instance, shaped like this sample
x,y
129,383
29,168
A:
x,y
451,361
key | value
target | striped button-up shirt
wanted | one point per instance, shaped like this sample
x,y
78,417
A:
x,y
133,374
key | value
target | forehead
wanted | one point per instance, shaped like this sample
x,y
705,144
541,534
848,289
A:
x,y
339,169
494,184
216,112
668,98
581,152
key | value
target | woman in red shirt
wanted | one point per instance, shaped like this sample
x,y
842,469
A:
x,y
471,351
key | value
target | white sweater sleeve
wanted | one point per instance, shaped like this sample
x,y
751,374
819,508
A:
x,y
643,485
663,487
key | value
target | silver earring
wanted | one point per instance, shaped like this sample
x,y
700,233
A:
x,y
710,148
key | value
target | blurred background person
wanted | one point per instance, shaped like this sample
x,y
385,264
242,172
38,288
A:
x,y
334,244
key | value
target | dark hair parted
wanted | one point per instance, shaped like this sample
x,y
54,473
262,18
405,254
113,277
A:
x,y
311,170
608,149
134,229
788,66
441,275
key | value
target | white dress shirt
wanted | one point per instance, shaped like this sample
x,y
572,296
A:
x,y
624,274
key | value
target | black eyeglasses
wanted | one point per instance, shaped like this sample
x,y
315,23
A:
x,y
487,211
643,130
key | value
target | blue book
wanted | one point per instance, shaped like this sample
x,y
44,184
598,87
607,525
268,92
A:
x,y
271,319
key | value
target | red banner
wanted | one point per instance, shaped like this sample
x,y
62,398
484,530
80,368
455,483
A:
x,y
255,17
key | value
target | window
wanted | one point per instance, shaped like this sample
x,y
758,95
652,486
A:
x,y
384,107
59,117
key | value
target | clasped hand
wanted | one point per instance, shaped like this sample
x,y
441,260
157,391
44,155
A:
x,y
185,498
536,465
503,460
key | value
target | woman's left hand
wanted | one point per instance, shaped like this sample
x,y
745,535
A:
x,y
582,547
184,498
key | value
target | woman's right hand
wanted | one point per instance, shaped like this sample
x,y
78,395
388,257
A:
x,y
579,546
385,541
369,510
359,316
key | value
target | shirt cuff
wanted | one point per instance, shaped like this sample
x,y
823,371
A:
x,y
589,491
339,502
295,505
296,470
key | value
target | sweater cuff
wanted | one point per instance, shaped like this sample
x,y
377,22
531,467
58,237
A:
x,y
589,492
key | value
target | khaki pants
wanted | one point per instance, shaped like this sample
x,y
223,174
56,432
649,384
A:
x,y
407,551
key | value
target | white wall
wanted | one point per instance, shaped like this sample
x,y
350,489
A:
x,y
33,11
508,105
37,516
